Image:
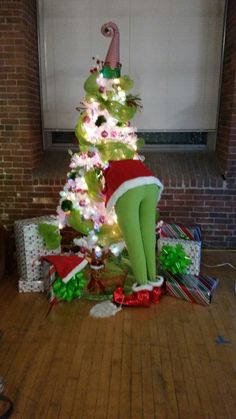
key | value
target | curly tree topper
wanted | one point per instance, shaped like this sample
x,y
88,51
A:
x,y
113,55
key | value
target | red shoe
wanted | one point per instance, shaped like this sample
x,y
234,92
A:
x,y
136,299
156,294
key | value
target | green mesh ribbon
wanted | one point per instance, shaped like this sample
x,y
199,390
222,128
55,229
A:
x,y
70,290
94,185
75,221
51,235
110,150
174,259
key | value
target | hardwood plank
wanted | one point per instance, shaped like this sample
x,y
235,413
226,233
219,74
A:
x,y
157,363
116,362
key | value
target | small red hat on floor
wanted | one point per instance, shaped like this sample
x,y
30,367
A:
x,y
66,266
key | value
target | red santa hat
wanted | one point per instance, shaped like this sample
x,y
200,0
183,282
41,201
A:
x,y
123,175
66,266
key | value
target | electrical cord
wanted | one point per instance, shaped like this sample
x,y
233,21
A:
x,y
220,265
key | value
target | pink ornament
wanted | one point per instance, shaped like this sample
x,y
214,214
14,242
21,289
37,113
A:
x,y
82,202
104,134
113,134
102,219
101,89
86,119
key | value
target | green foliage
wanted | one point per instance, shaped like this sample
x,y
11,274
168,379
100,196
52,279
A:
x,y
94,185
90,85
126,83
123,113
109,234
140,143
111,150
75,220
80,133
134,101
50,234
66,205
122,261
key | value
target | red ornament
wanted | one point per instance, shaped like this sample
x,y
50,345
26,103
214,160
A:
x,y
102,219
101,89
82,202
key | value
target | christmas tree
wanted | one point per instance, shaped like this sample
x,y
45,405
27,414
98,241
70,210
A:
x,y
104,134
110,196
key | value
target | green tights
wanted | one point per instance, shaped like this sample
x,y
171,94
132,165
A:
x,y
136,212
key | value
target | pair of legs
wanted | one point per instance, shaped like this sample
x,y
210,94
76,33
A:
x,y
136,213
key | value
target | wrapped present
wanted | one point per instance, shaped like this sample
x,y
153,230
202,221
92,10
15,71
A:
x,y
63,277
49,277
196,289
30,247
176,231
31,286
188,237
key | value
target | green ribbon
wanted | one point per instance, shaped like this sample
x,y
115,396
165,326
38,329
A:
x,y
174,259
72,289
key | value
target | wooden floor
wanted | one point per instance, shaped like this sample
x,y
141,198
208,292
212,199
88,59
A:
x,y
159,362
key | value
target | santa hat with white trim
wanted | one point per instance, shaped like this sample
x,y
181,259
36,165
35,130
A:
x,y
66,266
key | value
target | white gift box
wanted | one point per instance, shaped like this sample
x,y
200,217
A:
x,y
31,286
192,249
29,249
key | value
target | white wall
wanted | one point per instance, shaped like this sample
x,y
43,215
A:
x,y
171,49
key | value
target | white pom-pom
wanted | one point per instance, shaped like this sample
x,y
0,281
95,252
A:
x,y
104,309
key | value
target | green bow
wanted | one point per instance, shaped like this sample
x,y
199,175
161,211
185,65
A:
x,y
174,259
70,290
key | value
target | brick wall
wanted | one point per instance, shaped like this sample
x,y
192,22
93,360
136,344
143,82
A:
x,y
20,121
212,208
25,193
226,143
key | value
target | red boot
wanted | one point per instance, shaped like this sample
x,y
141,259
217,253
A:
x,y
136,299
158,289
156,294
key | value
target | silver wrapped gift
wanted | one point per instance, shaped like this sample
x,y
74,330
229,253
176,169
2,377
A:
x,y
30,247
